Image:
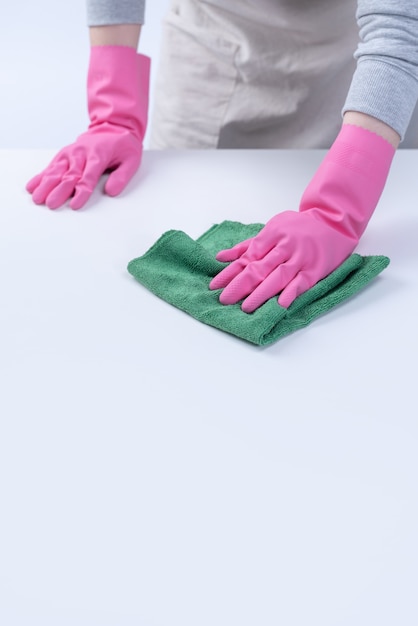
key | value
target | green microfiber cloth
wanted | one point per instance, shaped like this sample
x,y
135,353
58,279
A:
x,y
179,269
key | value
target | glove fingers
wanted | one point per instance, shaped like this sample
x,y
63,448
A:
x,y
89,179
241,286
61,193
253,277
65,189
120,177
58,163
224,277
49,179
301,283
252,250
232,254
270,287
81,196
32,184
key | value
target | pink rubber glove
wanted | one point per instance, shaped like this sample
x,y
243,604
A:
x,y
295,250
117,91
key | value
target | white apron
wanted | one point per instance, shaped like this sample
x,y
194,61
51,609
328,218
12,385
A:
x,y
253,73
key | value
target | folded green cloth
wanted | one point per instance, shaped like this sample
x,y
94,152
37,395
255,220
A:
x,y
178,269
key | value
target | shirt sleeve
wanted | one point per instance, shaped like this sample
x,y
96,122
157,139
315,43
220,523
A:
x,y
385,83
109,12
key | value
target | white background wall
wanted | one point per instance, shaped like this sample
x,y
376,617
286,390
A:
x,y
44,53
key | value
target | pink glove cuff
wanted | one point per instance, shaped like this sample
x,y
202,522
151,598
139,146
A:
x,y
118,88
346,188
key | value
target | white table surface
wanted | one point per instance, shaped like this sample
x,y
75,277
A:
x,y
155,471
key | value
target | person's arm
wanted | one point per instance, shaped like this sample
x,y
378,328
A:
x,y
115,35
296,249
114,12
117,96
385,82
115,23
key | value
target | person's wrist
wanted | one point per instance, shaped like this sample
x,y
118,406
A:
x,y
374,125
115,35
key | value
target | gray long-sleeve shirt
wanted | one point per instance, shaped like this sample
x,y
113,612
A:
x,y
385,83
